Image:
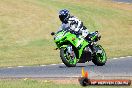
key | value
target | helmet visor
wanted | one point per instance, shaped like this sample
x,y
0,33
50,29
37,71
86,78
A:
x,y
62,17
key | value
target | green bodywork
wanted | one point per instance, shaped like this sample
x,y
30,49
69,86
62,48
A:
x,y
63,38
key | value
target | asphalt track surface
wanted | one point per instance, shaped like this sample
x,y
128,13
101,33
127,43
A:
x,y
114,67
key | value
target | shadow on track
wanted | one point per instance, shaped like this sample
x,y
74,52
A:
x,y
78,66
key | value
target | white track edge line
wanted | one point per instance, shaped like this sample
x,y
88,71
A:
x,y
20,66
9,67
53,64
63,63
114,58
43,65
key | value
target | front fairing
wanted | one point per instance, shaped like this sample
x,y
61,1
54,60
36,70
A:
x,y
60,37
64,38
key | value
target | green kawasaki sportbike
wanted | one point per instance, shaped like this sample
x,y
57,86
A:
x,y
75,49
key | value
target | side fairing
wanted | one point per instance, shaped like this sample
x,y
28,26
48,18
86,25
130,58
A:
x,y
79,43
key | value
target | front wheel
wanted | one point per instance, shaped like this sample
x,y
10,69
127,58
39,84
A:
x,y
67,59
99,58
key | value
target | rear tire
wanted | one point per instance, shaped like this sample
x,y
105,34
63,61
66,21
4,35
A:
x,y
64,59
100,59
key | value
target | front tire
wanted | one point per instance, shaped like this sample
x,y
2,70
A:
x,y
68,61
99,59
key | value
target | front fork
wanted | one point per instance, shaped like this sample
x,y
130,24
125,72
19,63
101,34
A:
x,y
70,50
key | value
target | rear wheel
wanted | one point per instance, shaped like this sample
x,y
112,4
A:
x,y
100,57
67,59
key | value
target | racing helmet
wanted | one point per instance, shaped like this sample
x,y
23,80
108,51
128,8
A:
x,y
64,15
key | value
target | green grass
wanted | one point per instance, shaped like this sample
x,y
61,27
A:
x,y
45,84
25,27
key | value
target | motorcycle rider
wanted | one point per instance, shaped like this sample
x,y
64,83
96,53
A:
x,y
73,24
